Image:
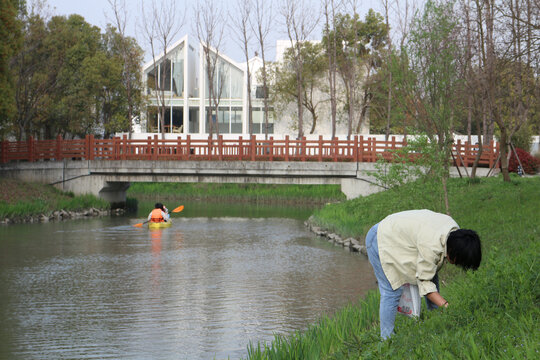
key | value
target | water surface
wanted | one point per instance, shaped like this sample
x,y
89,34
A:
x,y
201,289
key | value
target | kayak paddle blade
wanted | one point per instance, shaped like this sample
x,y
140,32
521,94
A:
x,y
178,209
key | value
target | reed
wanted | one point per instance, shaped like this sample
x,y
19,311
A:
x,y
494,311
245,192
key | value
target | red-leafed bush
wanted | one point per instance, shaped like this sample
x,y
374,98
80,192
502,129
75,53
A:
x,y
529,162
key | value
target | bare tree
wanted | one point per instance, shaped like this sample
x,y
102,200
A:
x,y
331,52
300,21
261,25
240,20
160,25
210,29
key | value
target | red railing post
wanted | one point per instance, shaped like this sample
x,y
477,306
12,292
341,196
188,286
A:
x,y
361,149
335,148
30,148
124,147
220,147
58,154
4,151
179,148
319,157
149,148
303,147
86,154
271,148
155,148
116,148
373,149
287,147
240,148
188,146
355,148
91,148
253,147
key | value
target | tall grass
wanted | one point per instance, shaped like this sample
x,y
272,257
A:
x,y
45,199
493,313
246,192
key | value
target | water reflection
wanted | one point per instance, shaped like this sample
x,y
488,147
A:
x,y
202,288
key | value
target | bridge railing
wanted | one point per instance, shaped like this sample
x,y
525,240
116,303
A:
x,y
357,149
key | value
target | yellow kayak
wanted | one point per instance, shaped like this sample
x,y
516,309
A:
x,y
159,225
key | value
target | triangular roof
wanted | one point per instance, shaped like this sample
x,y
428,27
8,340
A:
x,y
223,56
170,49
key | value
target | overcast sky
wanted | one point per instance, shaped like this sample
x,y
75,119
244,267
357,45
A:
x,y
99,13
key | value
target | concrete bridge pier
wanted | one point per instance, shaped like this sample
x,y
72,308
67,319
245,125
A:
x,y
353,188
363,184
112,191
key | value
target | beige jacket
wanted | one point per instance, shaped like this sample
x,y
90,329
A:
x,y
412,247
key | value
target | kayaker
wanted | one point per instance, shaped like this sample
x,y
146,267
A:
x,y
158,214
166,211
410,247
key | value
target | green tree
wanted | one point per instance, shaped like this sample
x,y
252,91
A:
x,y
427,90
118,82
357,59
434,59
396,119
10,33
71,80
33,80
71,106
284,76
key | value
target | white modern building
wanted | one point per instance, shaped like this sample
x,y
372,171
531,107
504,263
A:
x,y
186,97
186,93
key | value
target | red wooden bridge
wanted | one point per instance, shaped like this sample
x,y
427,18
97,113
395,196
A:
x,y
357,149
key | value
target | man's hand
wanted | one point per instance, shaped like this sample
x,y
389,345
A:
x,y
437,299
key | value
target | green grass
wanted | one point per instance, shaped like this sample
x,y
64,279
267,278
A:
x,y
242,192
494,312
18,199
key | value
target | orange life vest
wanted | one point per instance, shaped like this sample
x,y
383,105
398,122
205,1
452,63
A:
x,y
156,216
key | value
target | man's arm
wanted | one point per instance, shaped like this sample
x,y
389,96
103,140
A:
x,y
437,299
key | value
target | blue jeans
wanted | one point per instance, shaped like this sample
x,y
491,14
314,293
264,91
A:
x,y
389,297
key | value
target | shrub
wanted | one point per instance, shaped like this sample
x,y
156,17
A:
x,y
529,162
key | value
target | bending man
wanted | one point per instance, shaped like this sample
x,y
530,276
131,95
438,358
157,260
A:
x,y
410,247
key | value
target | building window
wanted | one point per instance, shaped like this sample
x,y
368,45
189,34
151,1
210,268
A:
x,y
258,121
193,120
236,120
259,92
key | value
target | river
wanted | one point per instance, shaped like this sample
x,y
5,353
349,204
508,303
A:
x,y
202,289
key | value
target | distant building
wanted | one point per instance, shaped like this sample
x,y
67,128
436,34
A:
x,y
187,100
186,93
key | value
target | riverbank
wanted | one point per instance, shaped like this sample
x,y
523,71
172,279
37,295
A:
x,y
494,311
22,202
260,193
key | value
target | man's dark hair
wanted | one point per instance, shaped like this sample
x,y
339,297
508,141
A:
x,y
158,206
464,249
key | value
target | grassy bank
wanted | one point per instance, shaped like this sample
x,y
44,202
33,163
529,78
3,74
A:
x,y
240,192
494,311
19,199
